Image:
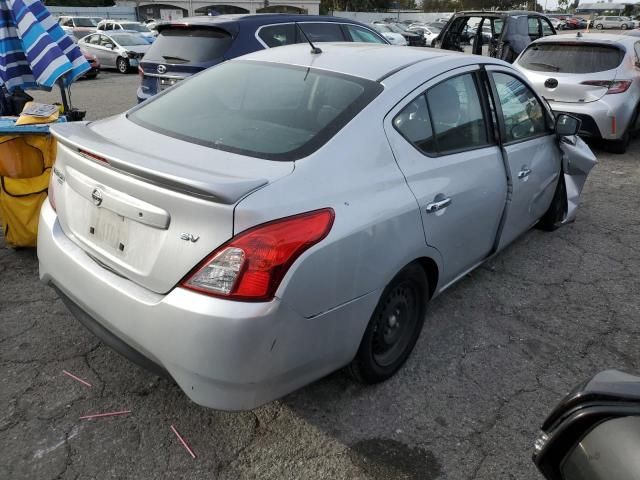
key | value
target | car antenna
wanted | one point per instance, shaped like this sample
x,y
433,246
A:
x,y
314,49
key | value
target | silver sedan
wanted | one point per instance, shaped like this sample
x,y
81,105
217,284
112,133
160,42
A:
x,y
289,213
595,77
121,50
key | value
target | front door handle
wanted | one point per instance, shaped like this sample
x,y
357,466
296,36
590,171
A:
x,y
524,173
439,205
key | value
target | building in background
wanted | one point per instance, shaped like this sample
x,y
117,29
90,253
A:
x,y
172,9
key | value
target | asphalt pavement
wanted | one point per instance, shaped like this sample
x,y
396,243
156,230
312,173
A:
x,y
498,350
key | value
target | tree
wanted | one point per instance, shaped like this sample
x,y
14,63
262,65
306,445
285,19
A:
x,y
563,5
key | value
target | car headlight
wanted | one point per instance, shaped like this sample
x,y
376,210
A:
x,y
131,54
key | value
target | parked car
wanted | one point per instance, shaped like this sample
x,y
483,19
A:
x,y
574,23
94,63
614,22
393,37
189,45
78,27
117,25
557,23
192,232
510,32
428,33
413,39
121,50
594,77
594,432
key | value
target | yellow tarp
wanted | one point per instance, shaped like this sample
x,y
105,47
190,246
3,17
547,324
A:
x,y
21,198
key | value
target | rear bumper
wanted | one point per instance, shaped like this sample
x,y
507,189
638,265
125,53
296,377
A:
x,y
223,354
598,117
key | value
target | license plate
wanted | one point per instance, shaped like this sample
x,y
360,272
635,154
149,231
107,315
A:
x,y
167,82
109,229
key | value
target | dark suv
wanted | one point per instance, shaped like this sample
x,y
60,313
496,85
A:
x,y
188,45
495,34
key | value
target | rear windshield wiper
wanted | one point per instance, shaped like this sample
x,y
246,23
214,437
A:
x,y
170,58
546,65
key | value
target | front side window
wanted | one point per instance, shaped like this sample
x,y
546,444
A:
x,y
104,40
288,114
360,34
522,113
128,39
446,119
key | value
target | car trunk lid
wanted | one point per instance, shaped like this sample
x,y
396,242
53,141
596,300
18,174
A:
x,y
565,71
149,215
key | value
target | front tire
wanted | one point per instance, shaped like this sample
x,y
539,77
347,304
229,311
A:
x,y
122,64
394,327
624,26
599,26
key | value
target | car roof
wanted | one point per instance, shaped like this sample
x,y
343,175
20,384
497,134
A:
x,y
257,19
488,13
371,61
603,38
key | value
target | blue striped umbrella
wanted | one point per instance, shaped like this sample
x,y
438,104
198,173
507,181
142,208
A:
x,y
34,50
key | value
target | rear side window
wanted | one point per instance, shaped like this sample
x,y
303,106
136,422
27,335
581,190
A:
x,y
189,45
278,35
447,118
288,114
322,32
571,58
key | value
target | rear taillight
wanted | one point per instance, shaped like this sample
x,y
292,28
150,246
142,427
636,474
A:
x,y
612,86
251,265
92,156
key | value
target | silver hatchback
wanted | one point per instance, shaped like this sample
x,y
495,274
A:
x,y
595,77
289,213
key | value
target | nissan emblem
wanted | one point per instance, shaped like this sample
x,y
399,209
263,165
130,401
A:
x,y
96,196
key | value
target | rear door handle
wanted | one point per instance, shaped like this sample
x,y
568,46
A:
x,y
524,173
439,205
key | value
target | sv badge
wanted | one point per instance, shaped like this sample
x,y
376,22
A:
x,y
189,237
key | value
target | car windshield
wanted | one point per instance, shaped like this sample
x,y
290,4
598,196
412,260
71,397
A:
x,y
265,110
128,39
84,22
571,58
184,45
396,28
135,26
382,28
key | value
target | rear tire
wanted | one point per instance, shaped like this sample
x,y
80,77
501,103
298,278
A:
x,y
619,146
552,219
122,64
624,26
394,327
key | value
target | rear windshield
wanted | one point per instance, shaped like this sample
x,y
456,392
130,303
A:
x,y
571,58
265,110
84,22
128,40
189,45
135,26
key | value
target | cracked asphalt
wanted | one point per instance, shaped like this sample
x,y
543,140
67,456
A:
x,y
498,350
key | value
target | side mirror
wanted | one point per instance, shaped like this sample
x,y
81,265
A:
x,y
567,125
594,433
110,46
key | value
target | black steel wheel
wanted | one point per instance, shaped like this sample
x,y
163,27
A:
x,y
394,327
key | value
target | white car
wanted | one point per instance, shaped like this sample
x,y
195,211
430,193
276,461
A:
x,y
430,34
623,23
118,25
78,27
392,37
121,50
